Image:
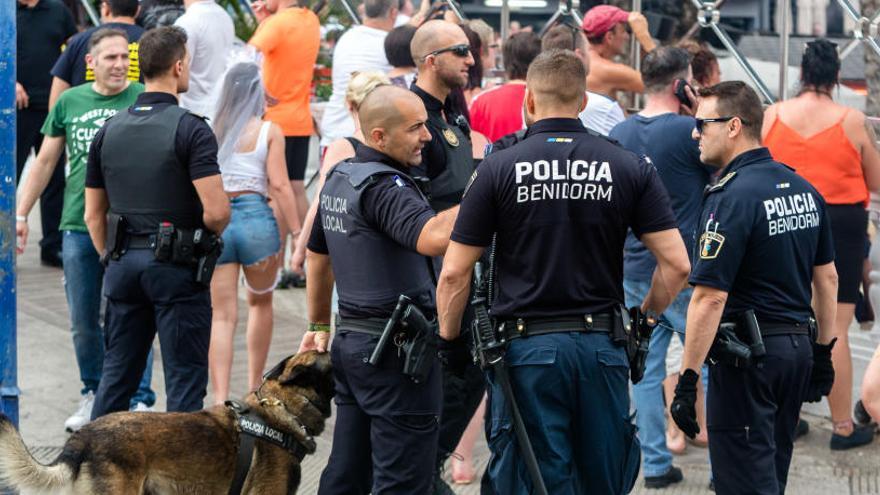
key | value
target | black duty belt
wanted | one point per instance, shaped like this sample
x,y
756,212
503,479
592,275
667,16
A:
x,y
370,326
771,329
590,323
140,241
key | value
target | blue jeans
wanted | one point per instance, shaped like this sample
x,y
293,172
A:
x,y
83,277
571,389
648,394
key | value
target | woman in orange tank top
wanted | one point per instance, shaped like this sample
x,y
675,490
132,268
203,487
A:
x,y
832,147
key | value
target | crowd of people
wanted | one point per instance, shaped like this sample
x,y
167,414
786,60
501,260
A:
x,y
417,151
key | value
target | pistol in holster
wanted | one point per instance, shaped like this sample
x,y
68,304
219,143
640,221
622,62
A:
x,y
738,343
632,330
415,337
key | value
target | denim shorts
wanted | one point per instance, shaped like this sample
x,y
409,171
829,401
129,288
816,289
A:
x,y
252,234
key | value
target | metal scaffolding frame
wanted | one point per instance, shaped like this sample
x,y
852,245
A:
x,y
866,32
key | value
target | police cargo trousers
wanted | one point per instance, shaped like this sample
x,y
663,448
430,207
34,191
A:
x,y
752,414
572,391
146,297
385,438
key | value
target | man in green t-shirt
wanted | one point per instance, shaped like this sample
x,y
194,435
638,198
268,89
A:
x,y
74,121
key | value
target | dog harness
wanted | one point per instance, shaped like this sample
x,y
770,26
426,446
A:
x,y
251,428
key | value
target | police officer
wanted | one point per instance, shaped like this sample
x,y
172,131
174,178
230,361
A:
x,y
154,168
375,235
763,238
559,204
443,56
442,53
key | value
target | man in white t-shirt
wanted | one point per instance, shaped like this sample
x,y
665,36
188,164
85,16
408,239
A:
x,y
601,113
360,49
210,34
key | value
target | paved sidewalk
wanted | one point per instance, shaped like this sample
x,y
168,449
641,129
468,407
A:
x,y
50,386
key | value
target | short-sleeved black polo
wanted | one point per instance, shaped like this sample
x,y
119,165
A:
x,y
561,202
762,230
41,32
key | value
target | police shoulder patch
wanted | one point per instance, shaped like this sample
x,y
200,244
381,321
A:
x,y
710,245
450,137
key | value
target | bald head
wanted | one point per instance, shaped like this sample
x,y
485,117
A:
x,y
393,121
434,35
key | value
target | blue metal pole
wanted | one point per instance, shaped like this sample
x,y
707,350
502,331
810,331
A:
x,y
8,363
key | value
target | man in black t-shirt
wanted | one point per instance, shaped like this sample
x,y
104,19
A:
x,y
71,69
764,241
43,26
560,203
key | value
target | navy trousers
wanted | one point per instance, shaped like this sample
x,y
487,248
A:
x,y
385,438
572,391
146,297
752,414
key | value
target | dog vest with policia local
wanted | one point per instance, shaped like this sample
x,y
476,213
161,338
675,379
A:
x,y
252,428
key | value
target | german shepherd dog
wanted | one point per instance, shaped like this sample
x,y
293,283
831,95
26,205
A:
x,y
177,453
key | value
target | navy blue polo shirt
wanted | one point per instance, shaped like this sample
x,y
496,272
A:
x,y
666,140
393,207
561,202
194,143
762,230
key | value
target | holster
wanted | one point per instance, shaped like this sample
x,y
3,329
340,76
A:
x,y
631,331
198,248
737,343
115,236
420,346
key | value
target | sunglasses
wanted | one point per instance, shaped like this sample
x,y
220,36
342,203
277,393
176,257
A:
x,y
702,122
457,50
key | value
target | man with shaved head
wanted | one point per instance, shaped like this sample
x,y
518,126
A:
x,y
441,51
375,236
559,205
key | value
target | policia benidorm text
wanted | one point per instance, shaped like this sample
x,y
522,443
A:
x,y
375,237
153,168
559,305
764,241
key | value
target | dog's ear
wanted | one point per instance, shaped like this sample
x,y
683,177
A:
x,y
278,369
319,364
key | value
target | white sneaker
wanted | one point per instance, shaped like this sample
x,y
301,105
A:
x,y
83,415
141,407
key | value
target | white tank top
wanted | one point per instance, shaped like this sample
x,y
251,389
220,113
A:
x,y
247,171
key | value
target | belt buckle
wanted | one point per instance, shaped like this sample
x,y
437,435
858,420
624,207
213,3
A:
x,y
521,327
588,321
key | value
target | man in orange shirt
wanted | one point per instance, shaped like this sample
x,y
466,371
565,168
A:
x,y
288,38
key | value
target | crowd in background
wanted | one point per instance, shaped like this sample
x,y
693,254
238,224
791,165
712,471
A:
x,y
258,98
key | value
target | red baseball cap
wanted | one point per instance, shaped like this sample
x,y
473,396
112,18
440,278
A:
x,y
601,18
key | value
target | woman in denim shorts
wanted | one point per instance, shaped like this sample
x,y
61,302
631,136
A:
x,y
252,164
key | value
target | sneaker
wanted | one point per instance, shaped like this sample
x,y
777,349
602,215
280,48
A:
x,y
672,476
801,429
861,435
83,415
291,279
141,407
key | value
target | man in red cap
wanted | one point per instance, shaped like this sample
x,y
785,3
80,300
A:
x,y
607,29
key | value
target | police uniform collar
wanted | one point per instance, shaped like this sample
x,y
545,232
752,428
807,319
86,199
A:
x,y
155,97
556,125
366,154
746,158
431,104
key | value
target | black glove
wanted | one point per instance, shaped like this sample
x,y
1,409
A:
x,y
454,355
822,377
683,409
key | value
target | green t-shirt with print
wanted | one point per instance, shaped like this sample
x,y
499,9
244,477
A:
x,y
78,115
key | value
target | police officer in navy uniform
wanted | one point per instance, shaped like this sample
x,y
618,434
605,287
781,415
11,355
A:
x,y
375,236
154,169
442,52
763,239
559,204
